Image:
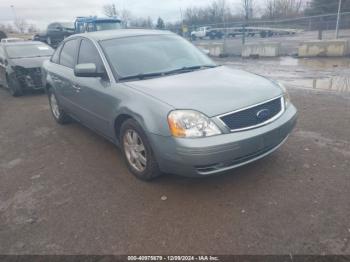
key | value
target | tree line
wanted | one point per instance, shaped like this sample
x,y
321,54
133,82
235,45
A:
x,y
218,12
226,11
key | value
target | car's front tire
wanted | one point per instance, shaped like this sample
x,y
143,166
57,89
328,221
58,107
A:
x,y
137,151
58,114
13,87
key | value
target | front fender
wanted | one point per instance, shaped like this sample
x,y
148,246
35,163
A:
x,y
148,111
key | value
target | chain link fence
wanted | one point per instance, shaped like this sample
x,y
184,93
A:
x,y
289,32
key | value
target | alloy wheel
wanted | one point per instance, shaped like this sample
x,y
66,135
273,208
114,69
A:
x,y
135,150
54,106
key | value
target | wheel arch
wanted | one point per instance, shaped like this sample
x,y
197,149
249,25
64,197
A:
x,y
118,122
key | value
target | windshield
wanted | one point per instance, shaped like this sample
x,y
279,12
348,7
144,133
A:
x,y
108,26
68,25
31,50
151,54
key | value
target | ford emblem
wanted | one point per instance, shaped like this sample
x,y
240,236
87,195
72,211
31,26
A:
x,y
263,114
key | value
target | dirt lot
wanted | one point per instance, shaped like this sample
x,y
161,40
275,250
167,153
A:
x,y
65,190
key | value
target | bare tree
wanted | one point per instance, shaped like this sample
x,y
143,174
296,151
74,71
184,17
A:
x,y
110,10
142,22
247,6
284,8
32,28
125,16
216,13
21,25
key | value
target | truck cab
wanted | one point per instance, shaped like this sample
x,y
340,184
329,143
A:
x,y
200,33
92,24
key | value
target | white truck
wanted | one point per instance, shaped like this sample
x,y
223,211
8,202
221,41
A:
x,y
206,31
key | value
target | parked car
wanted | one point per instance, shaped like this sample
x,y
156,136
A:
x,y
57,32
20,65
168,106
207,31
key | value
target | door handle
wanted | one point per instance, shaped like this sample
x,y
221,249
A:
x,y
76,87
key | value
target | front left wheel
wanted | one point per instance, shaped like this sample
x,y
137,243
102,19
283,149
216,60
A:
x,y
137,151
14,87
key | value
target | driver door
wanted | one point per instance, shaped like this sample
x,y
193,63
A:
x,y
96,105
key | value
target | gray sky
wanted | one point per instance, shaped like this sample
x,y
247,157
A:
x,y
41,12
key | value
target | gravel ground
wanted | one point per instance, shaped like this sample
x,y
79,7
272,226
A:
x,y
65,190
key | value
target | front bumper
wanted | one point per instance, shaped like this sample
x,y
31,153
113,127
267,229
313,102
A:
x,y
29,79
212,155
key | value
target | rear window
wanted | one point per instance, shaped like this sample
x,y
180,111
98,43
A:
x,y
30,50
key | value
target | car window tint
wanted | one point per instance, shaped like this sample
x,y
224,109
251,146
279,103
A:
x,y
89,54
2,53
68,53
2,56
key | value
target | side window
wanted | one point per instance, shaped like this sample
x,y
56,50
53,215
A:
x,y
68,53
56,56
89,54
81,28
2,55
90,27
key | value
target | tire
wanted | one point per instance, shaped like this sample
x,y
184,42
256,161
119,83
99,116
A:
x,y
13,86
58,114
137,151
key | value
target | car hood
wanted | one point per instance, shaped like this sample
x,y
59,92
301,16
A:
x,y
30,62
212,91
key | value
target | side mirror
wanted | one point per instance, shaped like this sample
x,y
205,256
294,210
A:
x,y
87,70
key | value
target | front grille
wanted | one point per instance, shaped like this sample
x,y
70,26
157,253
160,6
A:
x,y
253,116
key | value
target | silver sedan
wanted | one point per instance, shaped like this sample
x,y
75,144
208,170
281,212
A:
x,y
167,105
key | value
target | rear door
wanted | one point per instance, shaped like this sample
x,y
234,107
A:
x,y
63,76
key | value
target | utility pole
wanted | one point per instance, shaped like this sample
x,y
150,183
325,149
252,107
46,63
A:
x,y
14,12
338,20
182,22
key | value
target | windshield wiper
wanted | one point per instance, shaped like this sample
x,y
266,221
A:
x,y
174,71
189,69
141,76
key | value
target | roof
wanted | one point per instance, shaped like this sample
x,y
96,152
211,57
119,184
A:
x,y
120,33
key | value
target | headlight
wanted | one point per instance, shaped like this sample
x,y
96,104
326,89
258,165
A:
x,y
286,96
190,124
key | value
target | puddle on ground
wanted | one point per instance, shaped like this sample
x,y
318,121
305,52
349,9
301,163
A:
x,y
332,74
324,63
337,83
313,63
